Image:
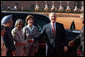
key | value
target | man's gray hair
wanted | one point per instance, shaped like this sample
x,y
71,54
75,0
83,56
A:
x,y
18,21
52,14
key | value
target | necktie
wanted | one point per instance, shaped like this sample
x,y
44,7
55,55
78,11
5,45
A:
x,y
53,29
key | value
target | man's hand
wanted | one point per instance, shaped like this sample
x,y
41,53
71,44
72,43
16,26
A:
x,y
65,48
71,43
31,41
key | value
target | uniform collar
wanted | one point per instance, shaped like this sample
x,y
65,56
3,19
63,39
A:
x,y
30,28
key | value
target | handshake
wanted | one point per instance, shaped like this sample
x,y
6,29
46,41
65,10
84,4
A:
x,y
30,40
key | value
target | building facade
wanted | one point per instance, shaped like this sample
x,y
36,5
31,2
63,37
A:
x,y
30,5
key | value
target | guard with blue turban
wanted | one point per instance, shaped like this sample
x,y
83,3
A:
x,y
7,22
6,19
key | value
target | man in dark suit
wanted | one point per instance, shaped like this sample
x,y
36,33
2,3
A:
x,y
79,38
7,22
55,37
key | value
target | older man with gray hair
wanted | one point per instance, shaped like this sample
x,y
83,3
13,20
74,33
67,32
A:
x,y
55,37
18,36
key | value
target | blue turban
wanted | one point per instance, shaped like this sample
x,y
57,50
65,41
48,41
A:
x,y
6,19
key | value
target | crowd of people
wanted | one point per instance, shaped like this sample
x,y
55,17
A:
x,y
23,40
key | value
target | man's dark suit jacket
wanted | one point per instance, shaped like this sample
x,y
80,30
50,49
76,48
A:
x,y
80,39
55,43
9,42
